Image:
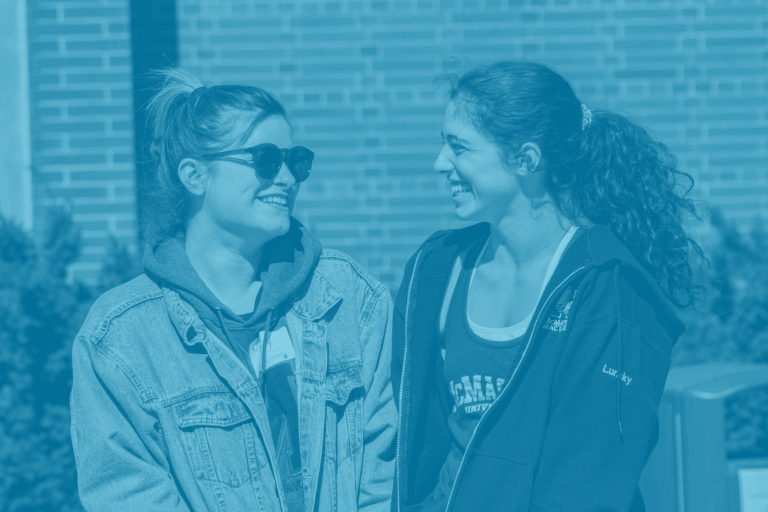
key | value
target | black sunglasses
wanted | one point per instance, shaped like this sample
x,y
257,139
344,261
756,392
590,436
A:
x,y
267,159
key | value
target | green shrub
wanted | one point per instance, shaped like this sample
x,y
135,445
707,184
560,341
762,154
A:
x,y
731,323
40,313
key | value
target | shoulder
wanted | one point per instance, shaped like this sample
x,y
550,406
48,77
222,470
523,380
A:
x,y
339,278
612,292
342,271
438,253
619,276
448,241
117,303
458,237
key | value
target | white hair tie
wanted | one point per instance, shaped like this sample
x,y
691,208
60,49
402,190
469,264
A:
x,y
586,117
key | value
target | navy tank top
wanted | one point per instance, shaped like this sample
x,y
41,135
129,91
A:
x,y
475,370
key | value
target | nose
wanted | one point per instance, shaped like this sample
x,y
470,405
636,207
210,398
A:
x,y
443,162
284,177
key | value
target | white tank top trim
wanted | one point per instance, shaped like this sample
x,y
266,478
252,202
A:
x,y
515,331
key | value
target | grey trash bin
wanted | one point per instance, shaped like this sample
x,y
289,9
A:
x,y
691,470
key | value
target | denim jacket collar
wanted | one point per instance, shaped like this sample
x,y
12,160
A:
x,y
187,323
315,298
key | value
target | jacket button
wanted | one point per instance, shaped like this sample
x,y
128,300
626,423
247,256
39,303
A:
x,y
221,412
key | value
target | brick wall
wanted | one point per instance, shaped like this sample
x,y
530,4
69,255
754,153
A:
x,y
357,77
82,120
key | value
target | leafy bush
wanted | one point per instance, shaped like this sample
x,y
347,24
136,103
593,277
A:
x,y
40,313
746,424
731,323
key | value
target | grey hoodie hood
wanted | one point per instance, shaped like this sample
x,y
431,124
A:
x,y
287,261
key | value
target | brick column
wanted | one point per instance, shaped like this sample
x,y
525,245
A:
x,y
82,120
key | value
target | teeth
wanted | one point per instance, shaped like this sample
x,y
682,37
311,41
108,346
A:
x,y
460,187
274,200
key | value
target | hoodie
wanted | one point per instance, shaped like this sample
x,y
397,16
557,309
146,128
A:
x,y
577,417
286,263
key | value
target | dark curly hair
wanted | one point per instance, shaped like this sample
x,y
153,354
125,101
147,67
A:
x,y
608,169
188,120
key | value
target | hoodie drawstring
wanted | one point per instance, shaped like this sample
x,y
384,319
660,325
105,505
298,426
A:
x,y
220,316
620,351
263,370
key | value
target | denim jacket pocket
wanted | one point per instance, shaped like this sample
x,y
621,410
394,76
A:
x,y
343,388
218,437
339,384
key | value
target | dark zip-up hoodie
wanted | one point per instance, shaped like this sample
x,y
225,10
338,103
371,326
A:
x,y
577,418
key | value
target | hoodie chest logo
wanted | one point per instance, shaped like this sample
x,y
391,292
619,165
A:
x,y
558,320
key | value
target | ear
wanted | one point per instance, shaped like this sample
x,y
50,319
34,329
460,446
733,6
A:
x,y
528,159
193,174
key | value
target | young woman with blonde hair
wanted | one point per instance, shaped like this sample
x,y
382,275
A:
x,y
177,404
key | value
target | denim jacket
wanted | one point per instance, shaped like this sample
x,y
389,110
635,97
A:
x,y
165,417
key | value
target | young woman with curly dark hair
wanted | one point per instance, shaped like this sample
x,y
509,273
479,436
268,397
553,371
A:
x,y
531,348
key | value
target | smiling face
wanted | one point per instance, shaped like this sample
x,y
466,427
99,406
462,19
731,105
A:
x,y
239,202
483,187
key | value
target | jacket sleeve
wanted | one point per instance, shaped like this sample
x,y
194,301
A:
x,y
119,451
602,421
379,412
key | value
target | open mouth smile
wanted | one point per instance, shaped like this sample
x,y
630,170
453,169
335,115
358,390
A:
x,y
460,187
274,200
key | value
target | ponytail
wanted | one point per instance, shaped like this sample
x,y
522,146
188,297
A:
x,y
600,166
188,120
165,197
630,182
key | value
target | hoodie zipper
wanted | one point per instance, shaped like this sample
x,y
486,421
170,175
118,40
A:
x,y
506,386
402,377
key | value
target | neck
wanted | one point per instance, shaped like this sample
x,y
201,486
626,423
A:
x,y
528,238
228,264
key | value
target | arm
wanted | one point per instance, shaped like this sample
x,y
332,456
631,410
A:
x,y
587,463
119,451
379,413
